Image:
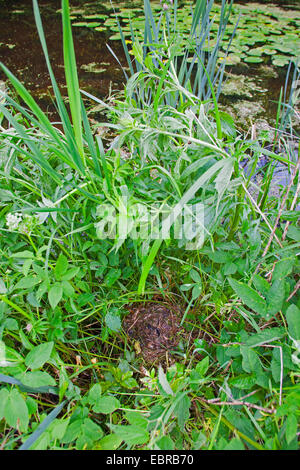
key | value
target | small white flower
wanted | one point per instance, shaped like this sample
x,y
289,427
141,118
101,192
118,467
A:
x,y
13,221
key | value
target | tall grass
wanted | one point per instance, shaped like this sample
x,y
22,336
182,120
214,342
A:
x,y
69,145
196,64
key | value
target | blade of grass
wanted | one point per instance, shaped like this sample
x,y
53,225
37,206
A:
x,y
72,76
42,427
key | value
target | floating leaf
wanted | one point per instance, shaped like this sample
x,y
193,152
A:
x,y
253,59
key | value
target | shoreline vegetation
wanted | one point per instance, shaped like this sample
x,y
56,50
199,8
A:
x,y
122,325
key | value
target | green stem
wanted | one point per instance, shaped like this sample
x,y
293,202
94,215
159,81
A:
x,y
237,214
14,306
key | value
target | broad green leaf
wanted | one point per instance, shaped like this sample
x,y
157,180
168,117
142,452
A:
x,y
275,298
70,274
250,361
4,394
293,319
31,405
16,411
37,378
11,324
61,266
202,366
230,268
243,382
235,444
106,405
249,296
110,442
90,430
73,431
294,233
196,291
261,284
26,266
23,254
55,295
68,289
182,411
27,282
266,336
40,354
195,276
291,426
113,321
131,434
58,428
283,268
94,394
112,276
136,417
165,443
220,257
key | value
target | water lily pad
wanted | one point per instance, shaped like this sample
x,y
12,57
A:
x,y
262,29
115,37
258,52
92,24
283,48
253,59
280,61
96,16
93,67
232,59
268,51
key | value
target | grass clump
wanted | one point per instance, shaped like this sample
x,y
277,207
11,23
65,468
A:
x,y
76,255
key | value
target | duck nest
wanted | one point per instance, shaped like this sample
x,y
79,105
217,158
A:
x,y
155,328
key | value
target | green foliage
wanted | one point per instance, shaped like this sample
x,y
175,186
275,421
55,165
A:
x,y
233,380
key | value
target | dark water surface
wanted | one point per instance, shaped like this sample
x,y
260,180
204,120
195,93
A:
x,y
21,52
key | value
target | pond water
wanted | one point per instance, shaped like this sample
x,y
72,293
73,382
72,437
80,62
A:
x,y
21,51
251,91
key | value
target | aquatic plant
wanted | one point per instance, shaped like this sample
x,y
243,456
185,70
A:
x,y
64,290
264,32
